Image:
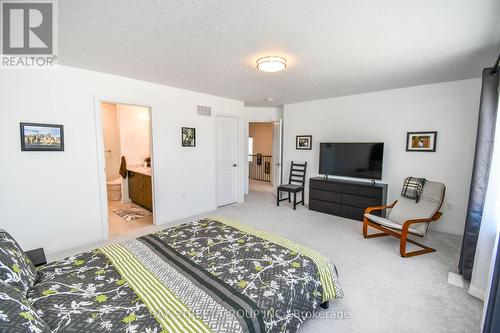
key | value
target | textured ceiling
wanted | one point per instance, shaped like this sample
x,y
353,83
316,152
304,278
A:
x,y
333,47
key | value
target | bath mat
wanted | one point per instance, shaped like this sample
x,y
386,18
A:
x,y
134,212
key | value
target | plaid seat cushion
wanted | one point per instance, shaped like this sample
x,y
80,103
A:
x,y
412,188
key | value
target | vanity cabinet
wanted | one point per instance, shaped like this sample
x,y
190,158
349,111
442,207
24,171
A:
x,y
140,190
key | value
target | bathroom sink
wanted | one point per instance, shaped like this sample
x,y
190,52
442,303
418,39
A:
x,y
140,169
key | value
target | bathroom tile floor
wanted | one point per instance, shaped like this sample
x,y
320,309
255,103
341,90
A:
x,y
118,226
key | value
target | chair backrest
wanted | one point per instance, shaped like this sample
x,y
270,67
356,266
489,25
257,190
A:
x,y
429,204
297,173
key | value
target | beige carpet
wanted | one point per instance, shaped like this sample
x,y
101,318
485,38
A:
x,y
383,292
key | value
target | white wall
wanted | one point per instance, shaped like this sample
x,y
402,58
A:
x,y
263,114
490,224
111,137
134,133
51,199
450,108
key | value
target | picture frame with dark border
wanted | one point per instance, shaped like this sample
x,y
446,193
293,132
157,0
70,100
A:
x,y
303,142
424,141
41,137
188,136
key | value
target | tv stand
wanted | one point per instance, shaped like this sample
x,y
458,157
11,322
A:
x,y
345,198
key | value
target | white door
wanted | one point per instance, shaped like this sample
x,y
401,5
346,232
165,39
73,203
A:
x,y
227,160
277,147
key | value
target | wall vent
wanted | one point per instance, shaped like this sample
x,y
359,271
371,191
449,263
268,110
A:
x,y
204,110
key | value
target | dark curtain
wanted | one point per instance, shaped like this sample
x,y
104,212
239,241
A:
x,y
480,173
492,317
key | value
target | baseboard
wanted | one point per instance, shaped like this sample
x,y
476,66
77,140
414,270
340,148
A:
x,y
194,214
476,292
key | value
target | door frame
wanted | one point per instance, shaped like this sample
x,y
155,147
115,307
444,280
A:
x,y
101,160
280,148
239,197
247,135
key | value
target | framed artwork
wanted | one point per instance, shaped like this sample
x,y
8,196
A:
x,y
303,142
421,141
188,137
41,137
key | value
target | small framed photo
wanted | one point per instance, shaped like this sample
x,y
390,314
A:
x,y
303,142
41,137
421,141
188,137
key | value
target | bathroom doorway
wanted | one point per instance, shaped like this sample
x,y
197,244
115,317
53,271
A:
x,y
127,153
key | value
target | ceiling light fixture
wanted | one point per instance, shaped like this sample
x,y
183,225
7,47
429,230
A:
x,y
269,99
271,64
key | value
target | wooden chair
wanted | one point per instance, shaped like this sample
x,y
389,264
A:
x,y
409,217
296,182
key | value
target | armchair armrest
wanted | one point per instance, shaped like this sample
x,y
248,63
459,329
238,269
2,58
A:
x,y
435,217
407,224
371,209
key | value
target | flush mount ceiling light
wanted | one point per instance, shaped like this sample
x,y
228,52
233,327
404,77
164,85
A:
x,y
269,99
271,64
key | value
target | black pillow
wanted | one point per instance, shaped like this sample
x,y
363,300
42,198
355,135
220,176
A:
x,y
16,269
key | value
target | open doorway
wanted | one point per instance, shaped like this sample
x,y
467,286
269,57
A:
x,y
264,156
128,168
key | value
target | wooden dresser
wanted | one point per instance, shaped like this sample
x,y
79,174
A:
x,y
345,198
140,189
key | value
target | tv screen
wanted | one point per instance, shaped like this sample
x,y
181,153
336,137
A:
x,y
360,160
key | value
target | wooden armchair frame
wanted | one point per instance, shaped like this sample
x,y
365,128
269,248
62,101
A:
x,y
403,236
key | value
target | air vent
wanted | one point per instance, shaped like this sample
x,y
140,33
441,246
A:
x,y
204,110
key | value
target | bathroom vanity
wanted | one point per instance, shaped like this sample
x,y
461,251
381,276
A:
x,y
139,187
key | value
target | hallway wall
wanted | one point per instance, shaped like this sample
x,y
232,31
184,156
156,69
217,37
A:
x,y
262,134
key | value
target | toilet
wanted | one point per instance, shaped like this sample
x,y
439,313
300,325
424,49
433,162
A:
x,y
114,189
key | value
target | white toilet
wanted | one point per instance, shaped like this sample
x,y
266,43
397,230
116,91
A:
x,y
114,189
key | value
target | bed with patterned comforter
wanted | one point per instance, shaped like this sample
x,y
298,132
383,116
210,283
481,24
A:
x,y
211,275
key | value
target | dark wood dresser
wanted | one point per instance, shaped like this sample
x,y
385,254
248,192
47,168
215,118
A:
x,y
345,198
140,189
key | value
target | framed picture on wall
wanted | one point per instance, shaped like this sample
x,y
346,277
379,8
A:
x,y
188,137
41,137
421,141
303,142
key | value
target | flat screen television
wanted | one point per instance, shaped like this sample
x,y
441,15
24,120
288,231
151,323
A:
x,y
351,159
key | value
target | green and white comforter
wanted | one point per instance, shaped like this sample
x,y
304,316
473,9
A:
x,y
212,275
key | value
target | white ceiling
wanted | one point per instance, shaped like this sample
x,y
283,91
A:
x,y
333,47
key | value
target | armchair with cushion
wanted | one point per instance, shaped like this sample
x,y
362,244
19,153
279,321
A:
x,y
408,216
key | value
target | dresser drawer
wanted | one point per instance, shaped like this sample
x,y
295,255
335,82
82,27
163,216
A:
x,y
360,202
316,194
366,191
324,185
325,207
353,213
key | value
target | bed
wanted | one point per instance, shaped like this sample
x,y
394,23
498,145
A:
x,y
210,275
